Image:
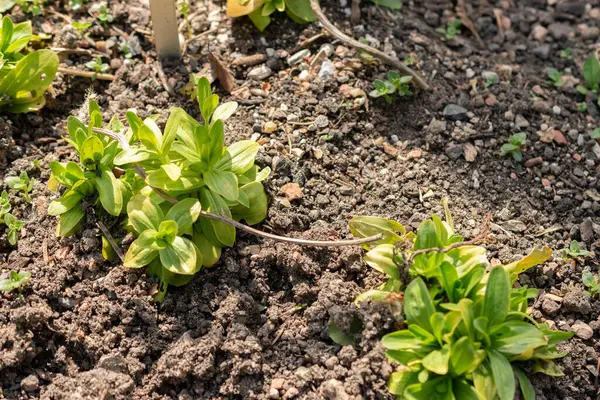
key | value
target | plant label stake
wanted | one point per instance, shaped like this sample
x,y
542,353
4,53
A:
x,y
164,21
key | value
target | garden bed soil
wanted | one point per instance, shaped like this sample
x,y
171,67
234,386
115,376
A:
x,y
255,325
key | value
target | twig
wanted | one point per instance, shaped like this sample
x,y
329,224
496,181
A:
x,y
475,241
305,43
330,243
86,74
394,62
355,14
110,239
78,51
163,78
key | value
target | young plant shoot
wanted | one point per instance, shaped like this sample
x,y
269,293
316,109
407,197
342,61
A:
x,y
467,329
15,281
260,11
187,163
19,92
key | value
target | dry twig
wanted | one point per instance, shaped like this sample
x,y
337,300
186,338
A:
x,y
392,61
86,74
110,239
332,243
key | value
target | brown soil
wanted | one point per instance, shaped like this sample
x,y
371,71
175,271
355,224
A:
x,y
255,325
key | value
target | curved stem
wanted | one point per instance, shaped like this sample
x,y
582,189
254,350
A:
x,y
327,243
393,61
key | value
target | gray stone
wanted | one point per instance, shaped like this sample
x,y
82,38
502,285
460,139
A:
x,y
576,8
542,51
587,231
321,121
550,306
559,31
327,70
298,57
30,383
260,73
454,151
490,76
582,330
521,121
432,18
437,126
454,112
514,225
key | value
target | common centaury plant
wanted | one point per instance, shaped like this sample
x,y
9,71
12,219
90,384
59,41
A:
x,y
186,169
467,330
23,77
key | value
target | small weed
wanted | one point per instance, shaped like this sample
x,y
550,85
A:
x,y
515,146
15,281
104,16
591,74
582,107
555,76
184,10
393,84
591,282
574,250
14,227
566,53
452,29
81,28
22,184
5,206
97,65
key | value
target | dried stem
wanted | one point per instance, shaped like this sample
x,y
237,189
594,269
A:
x,y
331,243
394,62
86,74
110,239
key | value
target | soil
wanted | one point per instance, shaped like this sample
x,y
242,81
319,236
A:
x,y
255,326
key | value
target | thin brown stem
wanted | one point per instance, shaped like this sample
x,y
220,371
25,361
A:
x,y
327,243
393,61
110,239
86,74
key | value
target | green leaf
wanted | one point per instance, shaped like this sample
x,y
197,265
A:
x,y
463,356
68,200
171,128
391,4
300,11
448,278
206,99
259,20
185,213
173,171
503,375
180,257
188,181
547,367
134,155
215,204
239,157
109,191
222,182
210,253
591,72
484,382
401,340
150,135
258,201
400,380
525,385
144,214
26,83
437,360
537,256
92,150
518,339
225,111
497,297
142,251
418,305
380,258
339,336
6,5
364,226
69,222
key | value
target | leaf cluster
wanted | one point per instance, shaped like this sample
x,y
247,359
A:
x,y
515,146
33,7
466,328
23,77
15,281
394,84
555,77
574,250
187,161
260,11
21,184
13,225
591,74
452,29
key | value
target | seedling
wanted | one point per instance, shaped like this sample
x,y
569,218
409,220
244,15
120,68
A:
x,y
567,53
33,7
21,183
14,227
104,16
184,10
574,250
555,76
81,28
582,106
15,281
5,206
515,146
595,133
20,93
124,47
452,29
97,65
464,324
591,74
591,282
394,84
260,12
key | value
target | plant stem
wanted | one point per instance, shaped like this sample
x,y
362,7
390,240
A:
x,y
86,74
328,243
393,61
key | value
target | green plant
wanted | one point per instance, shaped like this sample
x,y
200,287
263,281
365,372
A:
x,y
104,16
5,206
595,133
574,250
515,146
124,47
452,29
566,53
591,74
591,282
555,76
466,330
186,171
21,183
15,281
14,227
394,84
33,7
97,65
23,78
391,4
260,12
184,9
582,106
81,27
